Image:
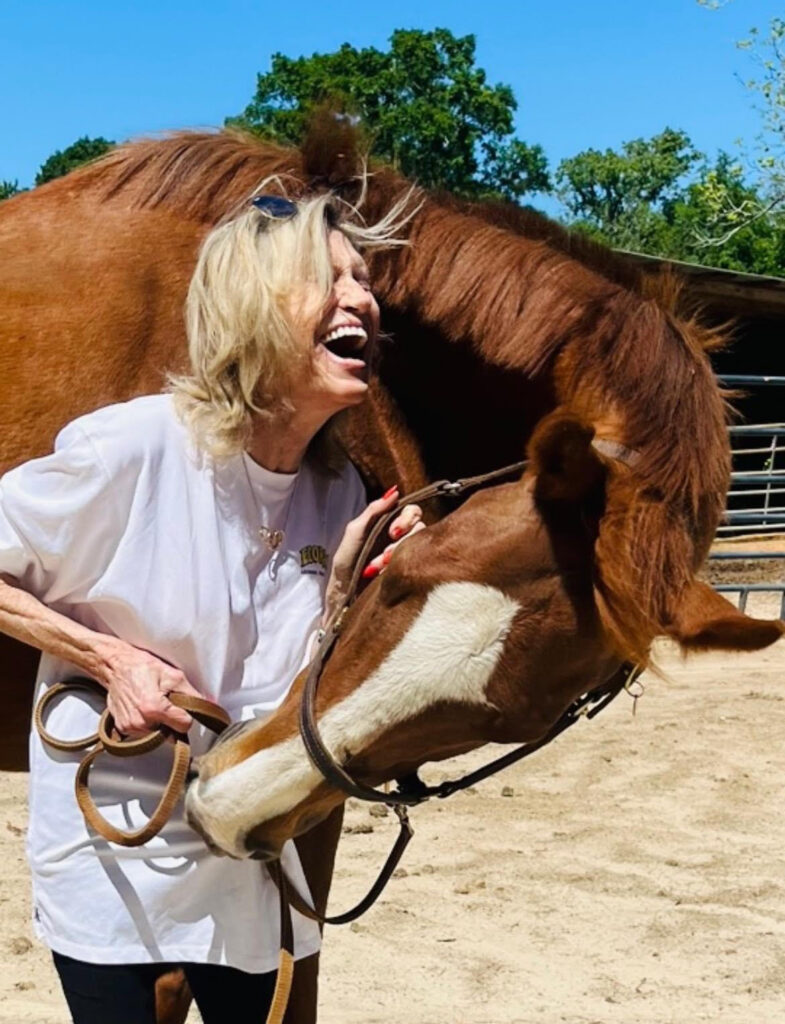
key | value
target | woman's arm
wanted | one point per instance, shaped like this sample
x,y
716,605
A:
x,y
137,682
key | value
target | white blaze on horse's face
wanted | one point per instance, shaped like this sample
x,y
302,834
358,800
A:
x,y
448,654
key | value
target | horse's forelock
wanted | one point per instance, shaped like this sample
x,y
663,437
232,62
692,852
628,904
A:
x,y
205,174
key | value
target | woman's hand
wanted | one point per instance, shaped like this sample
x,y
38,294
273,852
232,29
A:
x,y
408,521
137,682
138,686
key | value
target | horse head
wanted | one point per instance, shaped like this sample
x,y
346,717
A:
x,y
483,628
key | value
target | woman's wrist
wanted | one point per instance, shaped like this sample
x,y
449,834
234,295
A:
x,y
101,656
26,618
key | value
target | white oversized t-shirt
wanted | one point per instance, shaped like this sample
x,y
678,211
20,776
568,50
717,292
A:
x,y
126,529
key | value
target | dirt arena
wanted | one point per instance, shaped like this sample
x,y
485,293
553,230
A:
x,y
630,873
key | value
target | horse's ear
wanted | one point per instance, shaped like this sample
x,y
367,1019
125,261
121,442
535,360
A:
x,y
332,148
562,458
704,620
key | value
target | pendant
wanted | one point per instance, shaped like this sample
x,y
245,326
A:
x,y
272,538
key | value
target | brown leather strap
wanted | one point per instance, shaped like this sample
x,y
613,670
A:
x,y
107,740
181,758
91,686
302,907
283,981
124,746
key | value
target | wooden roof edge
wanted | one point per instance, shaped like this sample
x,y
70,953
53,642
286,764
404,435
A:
x,y
701,269
719,286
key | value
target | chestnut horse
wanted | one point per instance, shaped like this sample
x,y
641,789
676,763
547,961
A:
x,y
499,318
484,628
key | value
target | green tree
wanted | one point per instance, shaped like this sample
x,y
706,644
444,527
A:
x,y
650,197
621,196
78,153
766,200
427,109
8,189
755,245
768,86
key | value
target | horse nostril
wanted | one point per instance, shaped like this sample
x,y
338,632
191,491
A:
x,y
262,855
261,851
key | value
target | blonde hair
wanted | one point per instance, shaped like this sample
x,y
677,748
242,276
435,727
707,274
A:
x,y
243,342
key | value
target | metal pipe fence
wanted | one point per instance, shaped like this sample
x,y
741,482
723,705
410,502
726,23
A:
x,y
755,505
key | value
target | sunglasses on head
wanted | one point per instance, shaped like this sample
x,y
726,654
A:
x,y
275,207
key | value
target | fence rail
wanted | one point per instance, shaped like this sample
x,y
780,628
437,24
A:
x,y
756,498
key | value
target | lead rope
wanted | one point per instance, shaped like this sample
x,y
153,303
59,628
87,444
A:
x,y
285,975
107,740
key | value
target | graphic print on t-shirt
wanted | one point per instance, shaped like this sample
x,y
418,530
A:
x,y
313,560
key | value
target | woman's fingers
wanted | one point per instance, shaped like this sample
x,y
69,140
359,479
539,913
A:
x,y
136,717
176,718
138,697
405,521
357,528
378,564
168,713
377,508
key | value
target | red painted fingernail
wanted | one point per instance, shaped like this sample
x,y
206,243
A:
x,y
390,492
369,571
395,532
386,557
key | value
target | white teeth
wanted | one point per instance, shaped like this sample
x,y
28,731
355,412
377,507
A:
x,y
345,332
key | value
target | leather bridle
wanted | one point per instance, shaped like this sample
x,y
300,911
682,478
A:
x,y
411,790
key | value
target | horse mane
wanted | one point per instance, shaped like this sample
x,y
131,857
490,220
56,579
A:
x,y
621,357
527,295
202,175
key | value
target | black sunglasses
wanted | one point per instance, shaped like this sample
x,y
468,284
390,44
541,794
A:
x,y
275,207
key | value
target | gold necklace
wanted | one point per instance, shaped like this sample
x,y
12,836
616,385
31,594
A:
x,y
272,538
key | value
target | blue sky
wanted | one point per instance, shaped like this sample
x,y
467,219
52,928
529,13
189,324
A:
x,y
585,72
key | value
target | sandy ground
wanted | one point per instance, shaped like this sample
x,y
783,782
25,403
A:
x,y
632,872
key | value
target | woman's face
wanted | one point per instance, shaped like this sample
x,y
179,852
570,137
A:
x,y
342,335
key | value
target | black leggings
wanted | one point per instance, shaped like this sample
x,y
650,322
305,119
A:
x,y
125,993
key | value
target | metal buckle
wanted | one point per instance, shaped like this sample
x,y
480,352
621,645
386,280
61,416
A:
x,y
634,687
451,487
403,818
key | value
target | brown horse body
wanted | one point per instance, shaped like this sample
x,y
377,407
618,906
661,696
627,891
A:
x,y
501,321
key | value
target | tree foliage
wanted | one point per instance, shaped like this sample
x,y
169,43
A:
x,y
8,189
658,196
765,158
768,86
427,109
73,156
621,194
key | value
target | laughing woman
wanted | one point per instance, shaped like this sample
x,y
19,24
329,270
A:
x,y
192,542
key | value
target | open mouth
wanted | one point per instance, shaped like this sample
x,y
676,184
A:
x,y
346,344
